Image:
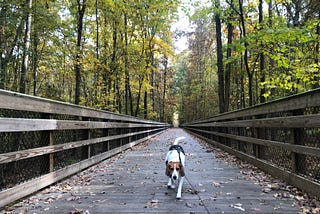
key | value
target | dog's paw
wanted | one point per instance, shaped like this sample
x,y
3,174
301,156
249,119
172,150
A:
x,y
178,197
171,187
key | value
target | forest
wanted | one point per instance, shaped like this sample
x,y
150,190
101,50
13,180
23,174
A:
x,y
119,55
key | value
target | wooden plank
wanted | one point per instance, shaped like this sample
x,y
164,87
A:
x,y
29,153
22,125
10,195
300,149
305,121
291,178
23,102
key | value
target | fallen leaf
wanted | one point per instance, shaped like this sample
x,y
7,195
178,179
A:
x,y
237,206
154,201
76,211
266,190
189,205
216,184
152,204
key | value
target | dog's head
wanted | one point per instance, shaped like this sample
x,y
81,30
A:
x,y
174,170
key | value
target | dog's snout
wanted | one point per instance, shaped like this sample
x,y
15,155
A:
x,y
174,177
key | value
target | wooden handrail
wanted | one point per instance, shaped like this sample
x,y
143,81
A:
x,y
37,130
299,101
281,137
22,102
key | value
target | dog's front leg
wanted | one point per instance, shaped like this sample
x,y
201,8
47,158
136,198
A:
x,y
170,184
180,187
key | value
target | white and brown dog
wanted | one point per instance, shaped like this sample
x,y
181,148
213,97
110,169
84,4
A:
x,y
175,163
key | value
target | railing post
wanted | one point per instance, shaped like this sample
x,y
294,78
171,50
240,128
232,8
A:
x,y
296,137
47,163
86,150
51,156
260,134
260,149
119,132
105,133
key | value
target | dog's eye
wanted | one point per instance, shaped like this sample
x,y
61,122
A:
x,y
171,168
177,169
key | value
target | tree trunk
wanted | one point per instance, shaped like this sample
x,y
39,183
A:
x,y
77,67
165,64
221,87
128,95
25,57
246,60
141,79
145,105
96,67
229,65
316,58
113,64
3,13
35,63
262,65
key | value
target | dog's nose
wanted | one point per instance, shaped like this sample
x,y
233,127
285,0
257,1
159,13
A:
x,y
174,177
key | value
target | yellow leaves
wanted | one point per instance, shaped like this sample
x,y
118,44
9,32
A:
x,y
163,47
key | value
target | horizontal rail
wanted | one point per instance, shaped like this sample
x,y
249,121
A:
x,y
307,121
305,150
22,190
44,141
22,102
281,137
29,153
22,125
304,100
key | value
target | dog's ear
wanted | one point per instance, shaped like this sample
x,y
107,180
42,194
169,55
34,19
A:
x,y
182,171
168,170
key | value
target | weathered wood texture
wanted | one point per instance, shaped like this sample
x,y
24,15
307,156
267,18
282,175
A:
x,y
135,182
47,149
281,137
22,102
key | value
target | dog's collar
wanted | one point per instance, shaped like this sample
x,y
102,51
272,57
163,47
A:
x,y
177,147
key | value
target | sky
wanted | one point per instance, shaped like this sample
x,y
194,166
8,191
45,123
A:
x,y
183,23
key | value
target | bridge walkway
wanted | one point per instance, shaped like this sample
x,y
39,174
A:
x,y
135,182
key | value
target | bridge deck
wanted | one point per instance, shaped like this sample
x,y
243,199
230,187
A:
x,y
134,182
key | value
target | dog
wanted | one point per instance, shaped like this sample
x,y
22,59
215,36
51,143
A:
x,y
175,164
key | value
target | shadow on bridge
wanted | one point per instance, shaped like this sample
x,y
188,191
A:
x,y
134,182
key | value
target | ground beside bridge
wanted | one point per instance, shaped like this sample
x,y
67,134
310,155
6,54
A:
x,y
135,182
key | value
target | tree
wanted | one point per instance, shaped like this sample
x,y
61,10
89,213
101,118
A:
x,y
262,62
26,49
81,5
220,65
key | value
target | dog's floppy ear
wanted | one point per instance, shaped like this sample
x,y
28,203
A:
x,y
168,170
182,171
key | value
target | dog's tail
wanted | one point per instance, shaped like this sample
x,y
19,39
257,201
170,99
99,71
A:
x,y
176,142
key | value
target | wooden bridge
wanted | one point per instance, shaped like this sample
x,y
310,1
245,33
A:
x,y
116,162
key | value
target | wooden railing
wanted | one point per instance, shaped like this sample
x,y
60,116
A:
x,y
280,137
43,141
